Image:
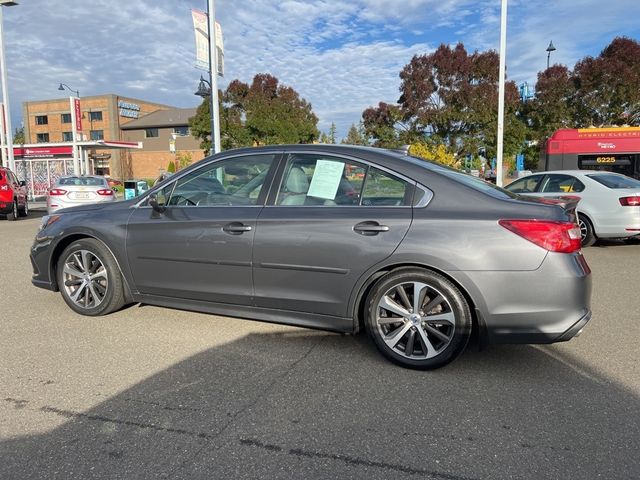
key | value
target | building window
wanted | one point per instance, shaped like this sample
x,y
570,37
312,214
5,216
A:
x,y
65,118
151,133
42,137
181,131
67,136
97,134
95,116
42,120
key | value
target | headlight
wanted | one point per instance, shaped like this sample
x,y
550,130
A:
x,y
48,220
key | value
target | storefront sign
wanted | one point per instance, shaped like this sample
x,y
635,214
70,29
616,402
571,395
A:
x,y
130,110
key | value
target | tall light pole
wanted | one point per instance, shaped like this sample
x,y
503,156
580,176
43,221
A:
x,y
213,77
74,107
502,69
5,92
550,49
204,92
64,86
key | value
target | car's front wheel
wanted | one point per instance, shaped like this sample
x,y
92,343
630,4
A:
x,y
418,319
24,211
13,214
89,278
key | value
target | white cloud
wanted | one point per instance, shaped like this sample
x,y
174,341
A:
x,y
341,56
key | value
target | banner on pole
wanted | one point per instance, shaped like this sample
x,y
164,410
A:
x,y
201,29
78,112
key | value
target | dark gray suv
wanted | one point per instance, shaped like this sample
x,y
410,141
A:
x,y
331,237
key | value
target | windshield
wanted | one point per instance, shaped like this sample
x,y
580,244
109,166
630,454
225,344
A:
x,y
611,180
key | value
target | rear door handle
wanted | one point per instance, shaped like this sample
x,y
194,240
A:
x,y
236,228
370,228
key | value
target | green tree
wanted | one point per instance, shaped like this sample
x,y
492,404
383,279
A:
x,y
356,135
18,136
262,113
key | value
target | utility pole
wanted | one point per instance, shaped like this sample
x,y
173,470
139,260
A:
x,y
213,78
503,48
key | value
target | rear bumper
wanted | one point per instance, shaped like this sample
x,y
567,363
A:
x,y
547,305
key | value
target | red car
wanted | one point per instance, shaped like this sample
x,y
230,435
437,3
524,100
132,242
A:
x,y
13,195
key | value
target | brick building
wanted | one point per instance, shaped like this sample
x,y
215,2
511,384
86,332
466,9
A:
x,y
165,138
105,117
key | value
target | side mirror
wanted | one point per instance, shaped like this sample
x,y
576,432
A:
x,y
23,183
153,202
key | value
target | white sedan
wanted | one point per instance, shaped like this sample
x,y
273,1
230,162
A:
x,y
609,204
72,190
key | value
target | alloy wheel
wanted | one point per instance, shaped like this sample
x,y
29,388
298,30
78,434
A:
x,y
85,279
584,230
415,320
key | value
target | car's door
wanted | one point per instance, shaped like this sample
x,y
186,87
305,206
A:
x,y
329,221
200,247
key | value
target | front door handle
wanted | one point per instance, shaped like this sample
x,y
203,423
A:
x,y
236,228
370,228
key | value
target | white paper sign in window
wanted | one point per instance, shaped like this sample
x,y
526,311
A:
x,y
326,179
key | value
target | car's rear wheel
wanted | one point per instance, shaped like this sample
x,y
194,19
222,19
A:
x,y
418,319
89,278
24,211
586,231
13,214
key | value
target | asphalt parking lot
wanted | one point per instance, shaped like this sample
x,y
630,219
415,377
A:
x,y
157,393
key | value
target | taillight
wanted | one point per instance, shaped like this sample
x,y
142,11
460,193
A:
x,y
561,237
105,191
633,201
4,188
57,191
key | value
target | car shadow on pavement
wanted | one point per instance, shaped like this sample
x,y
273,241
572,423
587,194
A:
x,y
318,405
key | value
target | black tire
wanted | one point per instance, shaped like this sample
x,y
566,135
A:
x,y
24,211
442,298
13,214
90,265
586,231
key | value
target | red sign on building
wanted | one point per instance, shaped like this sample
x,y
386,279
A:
x,y
78,111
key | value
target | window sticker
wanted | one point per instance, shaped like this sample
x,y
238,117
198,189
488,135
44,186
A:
x,y
326,179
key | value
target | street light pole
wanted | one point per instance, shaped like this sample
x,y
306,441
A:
x,y
5,92
550,49
77,154
213,78
502,69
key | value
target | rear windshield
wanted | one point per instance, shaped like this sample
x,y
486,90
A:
x,y
615,181
84,181
473,182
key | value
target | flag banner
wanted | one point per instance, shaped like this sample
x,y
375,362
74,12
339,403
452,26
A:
x,y
201,29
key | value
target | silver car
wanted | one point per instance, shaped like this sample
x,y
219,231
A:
x,y
71,190
609,202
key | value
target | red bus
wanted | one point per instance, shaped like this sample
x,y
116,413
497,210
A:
x,y
613,149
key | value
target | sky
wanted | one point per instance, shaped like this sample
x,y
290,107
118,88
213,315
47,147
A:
x,y
340,55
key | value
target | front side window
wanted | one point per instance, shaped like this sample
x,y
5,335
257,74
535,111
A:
x,y
42,120
561,184
525,185
231,182
311,179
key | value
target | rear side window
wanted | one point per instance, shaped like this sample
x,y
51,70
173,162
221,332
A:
x,y
561,184
615,181
382,189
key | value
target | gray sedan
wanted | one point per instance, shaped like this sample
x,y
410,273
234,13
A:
x,y
609,202
332,237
